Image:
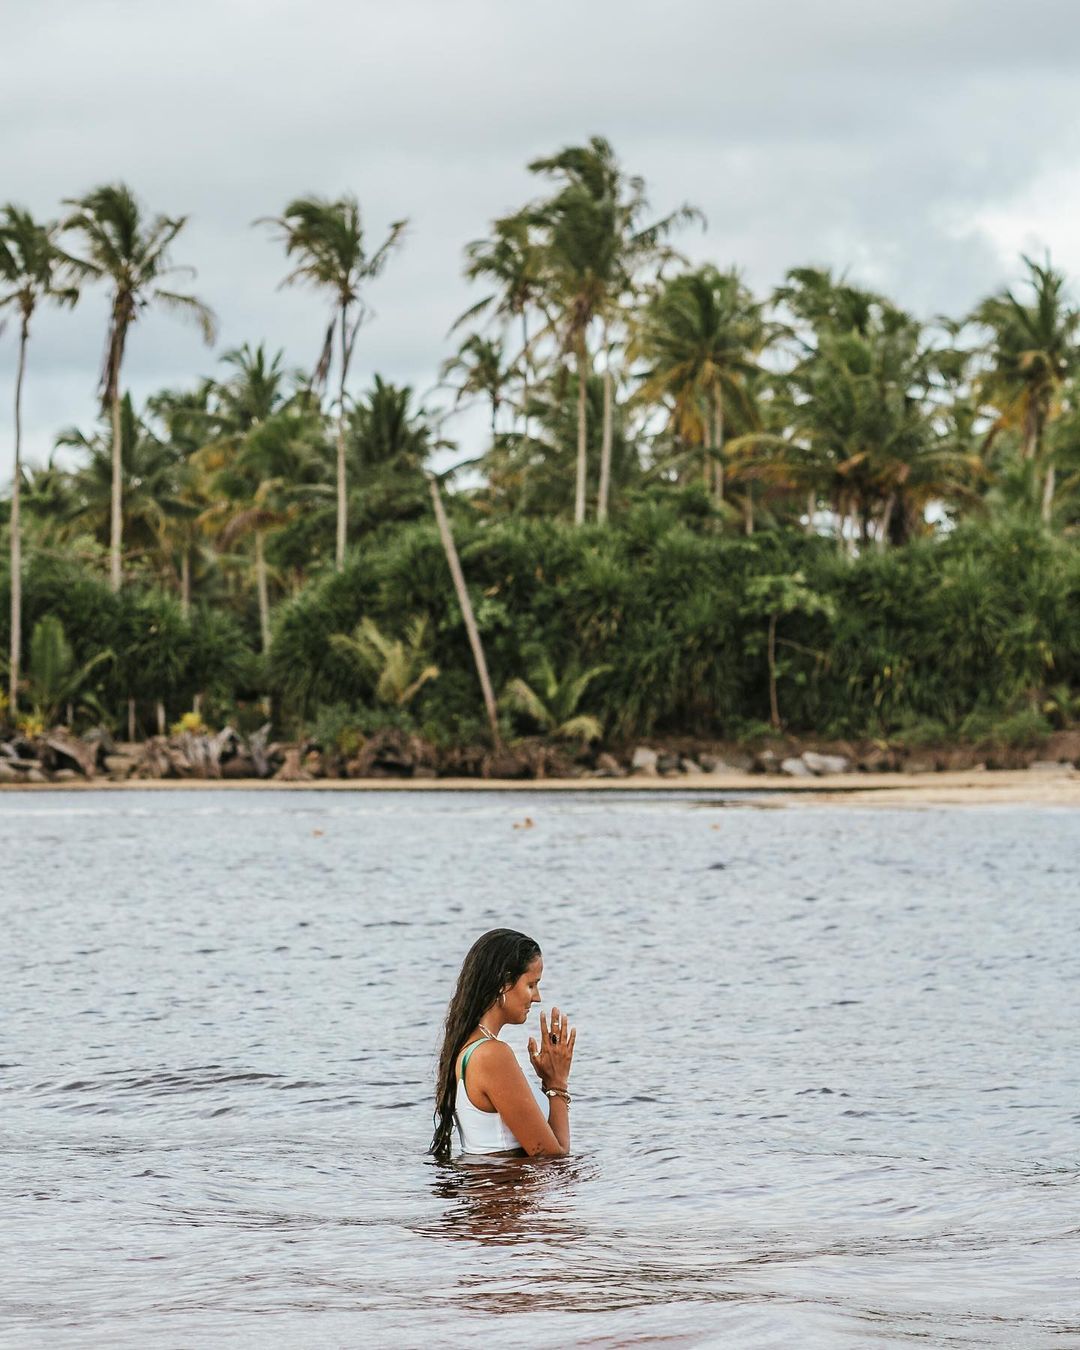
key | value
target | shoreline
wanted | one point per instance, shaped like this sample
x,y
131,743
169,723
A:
x,y
998,787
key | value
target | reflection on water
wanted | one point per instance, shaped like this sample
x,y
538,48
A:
x,y
826,1090
508,1201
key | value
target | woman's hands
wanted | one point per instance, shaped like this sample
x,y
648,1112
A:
x,y
553,1056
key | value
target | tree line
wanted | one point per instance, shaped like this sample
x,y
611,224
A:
x,y
622,385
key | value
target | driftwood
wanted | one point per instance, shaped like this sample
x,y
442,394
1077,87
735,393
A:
x,y
68,747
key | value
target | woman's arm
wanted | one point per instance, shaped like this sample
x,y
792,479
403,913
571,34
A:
x,y
501,1081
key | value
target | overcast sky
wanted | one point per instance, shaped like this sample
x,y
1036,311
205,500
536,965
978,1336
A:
x,y
918,146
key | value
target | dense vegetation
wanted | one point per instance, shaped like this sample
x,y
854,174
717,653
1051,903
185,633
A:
x,y
699,511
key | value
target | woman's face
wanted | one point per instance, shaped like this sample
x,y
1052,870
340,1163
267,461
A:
x,y
520,997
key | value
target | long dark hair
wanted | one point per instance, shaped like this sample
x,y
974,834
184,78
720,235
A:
x,y
496,959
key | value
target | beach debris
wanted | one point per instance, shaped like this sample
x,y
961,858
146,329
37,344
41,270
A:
x,y
527,824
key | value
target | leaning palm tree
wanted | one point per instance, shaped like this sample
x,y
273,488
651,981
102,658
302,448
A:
x,y
1032,351
131,253
327,239
32,270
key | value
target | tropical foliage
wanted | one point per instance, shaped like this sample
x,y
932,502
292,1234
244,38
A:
x,y
695,509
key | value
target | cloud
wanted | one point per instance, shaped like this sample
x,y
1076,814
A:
x,y
911,145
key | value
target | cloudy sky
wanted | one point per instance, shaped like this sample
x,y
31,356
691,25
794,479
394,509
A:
x,y
918,146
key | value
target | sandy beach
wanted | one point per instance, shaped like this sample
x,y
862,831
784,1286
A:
x,y
1057,787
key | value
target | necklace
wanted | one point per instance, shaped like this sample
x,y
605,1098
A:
x,y
488,1034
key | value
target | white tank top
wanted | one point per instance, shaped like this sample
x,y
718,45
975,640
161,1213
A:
x,y
480,1131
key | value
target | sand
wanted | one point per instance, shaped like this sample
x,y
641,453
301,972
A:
x,y
1059,786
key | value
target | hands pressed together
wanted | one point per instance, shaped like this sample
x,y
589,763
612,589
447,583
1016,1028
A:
x,y
553,1056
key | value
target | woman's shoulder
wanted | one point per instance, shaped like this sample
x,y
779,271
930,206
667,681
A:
x,y
489,1051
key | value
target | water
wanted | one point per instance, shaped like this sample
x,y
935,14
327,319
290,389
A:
x,y
826,1088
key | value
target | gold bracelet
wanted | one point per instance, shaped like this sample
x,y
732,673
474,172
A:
x,y
557,1092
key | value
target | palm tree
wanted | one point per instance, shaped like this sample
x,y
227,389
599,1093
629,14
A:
x,y
593,246
390,439
52,676
551,699
1032,351
264,463
32,270
327,239
150,486
478,369
512,261
398,666
699,335
130,252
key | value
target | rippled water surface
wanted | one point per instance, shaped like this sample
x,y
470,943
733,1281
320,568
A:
x,y
826,1089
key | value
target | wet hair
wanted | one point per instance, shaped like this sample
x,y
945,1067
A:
x,y
498,958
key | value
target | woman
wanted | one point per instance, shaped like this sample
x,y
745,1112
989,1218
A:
x,y
481,1088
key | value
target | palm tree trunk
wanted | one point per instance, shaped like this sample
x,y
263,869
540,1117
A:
x,y
748,506
261,588
115,518
185,581
1048,494
466,612
811,510
606,436
774,703
579,484
886,520
342,506
525,367
15,653
718,443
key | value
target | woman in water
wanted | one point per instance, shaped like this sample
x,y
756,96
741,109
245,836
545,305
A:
x,y
481,1088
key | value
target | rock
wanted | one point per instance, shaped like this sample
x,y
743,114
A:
x,y
291,770
607,766
120,767
667,763
795,768
820,765
767,761
1050,766
1063,746
239,766
958,759
920,764
36,775
65,775
644,758
424,771
505,764
9,773
878,759
690,766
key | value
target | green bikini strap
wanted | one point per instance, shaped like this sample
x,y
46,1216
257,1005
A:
x,y
465,1058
